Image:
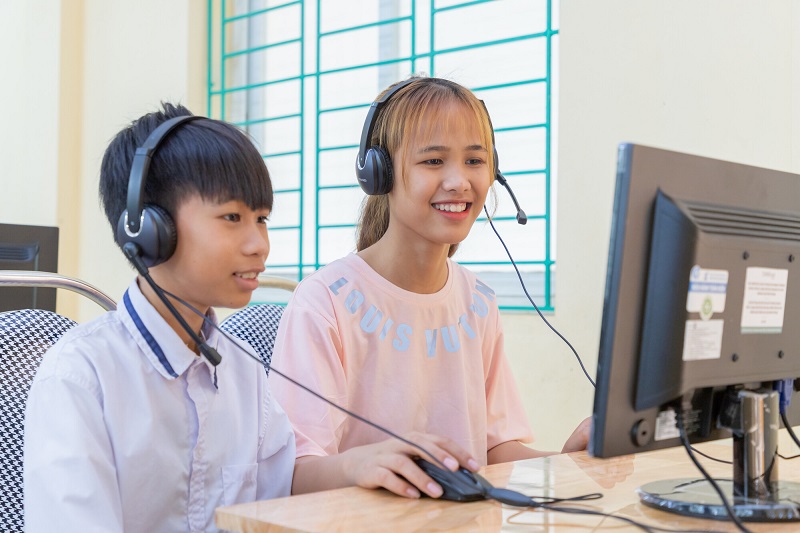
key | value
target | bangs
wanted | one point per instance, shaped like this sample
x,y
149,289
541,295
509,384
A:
x,y
218,162
452,115
409,114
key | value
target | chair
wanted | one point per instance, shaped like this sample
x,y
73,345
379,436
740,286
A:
x,y
257,324
25,335
28,278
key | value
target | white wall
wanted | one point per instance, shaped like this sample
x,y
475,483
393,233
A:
x,y
40,47
136,55
75,72
717,78
30,96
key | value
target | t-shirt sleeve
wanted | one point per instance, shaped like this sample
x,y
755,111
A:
x,y
505,417
69,469
309,350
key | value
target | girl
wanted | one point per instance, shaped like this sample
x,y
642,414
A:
x,y
398,332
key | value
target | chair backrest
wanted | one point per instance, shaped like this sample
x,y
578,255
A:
x,y
29,278
25,336
257,325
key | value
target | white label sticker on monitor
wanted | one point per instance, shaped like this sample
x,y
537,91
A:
x,y
764,300
707,291
666,426
702,339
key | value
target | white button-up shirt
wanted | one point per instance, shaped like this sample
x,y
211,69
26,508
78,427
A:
x,y
125,429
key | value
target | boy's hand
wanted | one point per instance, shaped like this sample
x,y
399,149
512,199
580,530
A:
x,y
388,464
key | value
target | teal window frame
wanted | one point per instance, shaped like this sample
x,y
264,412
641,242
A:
x,y
312,73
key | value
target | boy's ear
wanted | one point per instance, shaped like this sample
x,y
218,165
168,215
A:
x,y
156,238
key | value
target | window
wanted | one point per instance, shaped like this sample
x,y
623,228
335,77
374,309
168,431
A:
x,y
300,75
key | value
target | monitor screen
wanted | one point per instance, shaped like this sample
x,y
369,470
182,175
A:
x,y
28,248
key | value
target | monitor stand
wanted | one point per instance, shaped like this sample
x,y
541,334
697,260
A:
x,y
754,493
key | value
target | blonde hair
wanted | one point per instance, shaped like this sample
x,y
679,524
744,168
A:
x,y
397,124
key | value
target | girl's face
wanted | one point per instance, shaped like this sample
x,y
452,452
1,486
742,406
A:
x,y
441,181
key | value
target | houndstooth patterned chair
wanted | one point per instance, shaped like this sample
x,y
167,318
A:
x,y
25,336
257,325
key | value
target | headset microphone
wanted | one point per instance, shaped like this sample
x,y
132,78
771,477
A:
x,y
522,218
134,254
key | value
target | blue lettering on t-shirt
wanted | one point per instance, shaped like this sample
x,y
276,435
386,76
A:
x,y
385,329
478,306
462,321
430,340
338,284
354,301
402,341
484,289
372,319
450,338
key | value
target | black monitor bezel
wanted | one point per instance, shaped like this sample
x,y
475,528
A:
x,y
46,237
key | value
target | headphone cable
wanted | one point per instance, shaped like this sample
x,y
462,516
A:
x,y
519,275
133,252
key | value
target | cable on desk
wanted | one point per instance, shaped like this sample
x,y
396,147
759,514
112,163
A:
x,y
631,521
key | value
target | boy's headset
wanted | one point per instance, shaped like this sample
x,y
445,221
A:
x,y
374,164
148,231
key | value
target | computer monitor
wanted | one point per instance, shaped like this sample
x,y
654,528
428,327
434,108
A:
x,y
701,316
28,248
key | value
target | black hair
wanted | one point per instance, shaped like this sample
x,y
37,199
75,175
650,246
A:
x,y
208,157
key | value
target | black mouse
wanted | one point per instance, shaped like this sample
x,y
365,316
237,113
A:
x,y
459,486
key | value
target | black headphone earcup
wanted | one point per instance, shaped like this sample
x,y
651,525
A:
x,y
386,182
376,177
157,237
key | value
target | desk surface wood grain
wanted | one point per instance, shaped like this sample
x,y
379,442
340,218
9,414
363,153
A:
x,y
355,509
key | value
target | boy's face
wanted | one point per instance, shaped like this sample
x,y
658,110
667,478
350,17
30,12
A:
x,y
221,249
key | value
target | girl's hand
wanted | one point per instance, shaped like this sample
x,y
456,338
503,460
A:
x,y
579,439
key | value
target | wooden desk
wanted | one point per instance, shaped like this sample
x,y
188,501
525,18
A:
x,y
355,509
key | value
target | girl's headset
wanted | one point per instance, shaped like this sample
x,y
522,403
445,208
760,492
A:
x,y
374,164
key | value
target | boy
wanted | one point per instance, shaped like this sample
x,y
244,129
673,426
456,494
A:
x,y
127,428
147,418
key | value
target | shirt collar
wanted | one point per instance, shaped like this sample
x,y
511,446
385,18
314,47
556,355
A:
x,y
161,345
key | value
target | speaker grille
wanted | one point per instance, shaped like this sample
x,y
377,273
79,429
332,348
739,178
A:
x,y
743,222
18,252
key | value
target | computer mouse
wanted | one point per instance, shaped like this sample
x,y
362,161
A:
x,y
459,486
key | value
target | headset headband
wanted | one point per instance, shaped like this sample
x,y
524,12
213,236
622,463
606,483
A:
x,y
141,164
369,122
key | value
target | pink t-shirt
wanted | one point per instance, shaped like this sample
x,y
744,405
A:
x,y
410,362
